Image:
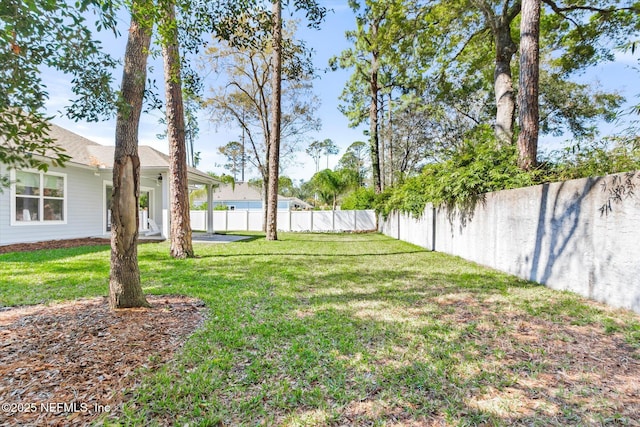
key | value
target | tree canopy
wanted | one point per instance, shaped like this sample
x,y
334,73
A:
x,y
243,98
428,75
432,77
55,35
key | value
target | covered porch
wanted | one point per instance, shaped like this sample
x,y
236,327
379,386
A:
x,y
155,219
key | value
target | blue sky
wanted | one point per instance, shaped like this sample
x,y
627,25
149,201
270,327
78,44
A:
x,y
326,42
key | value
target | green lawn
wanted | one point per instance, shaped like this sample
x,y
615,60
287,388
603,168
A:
x,y
332,329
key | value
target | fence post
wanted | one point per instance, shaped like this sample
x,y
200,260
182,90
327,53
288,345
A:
x,y
355,220
311,220
433,230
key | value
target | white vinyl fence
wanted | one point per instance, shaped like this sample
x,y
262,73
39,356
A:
x,y
319,221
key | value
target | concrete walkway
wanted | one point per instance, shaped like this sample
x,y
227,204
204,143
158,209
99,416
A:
x,y
217,238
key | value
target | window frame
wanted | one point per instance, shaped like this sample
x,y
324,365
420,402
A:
x,y
41,197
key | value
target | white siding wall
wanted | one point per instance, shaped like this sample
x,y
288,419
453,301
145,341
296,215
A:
x,y
86,210
84,201
5,207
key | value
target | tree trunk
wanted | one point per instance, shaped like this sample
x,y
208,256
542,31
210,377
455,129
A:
x,y
503,83
125,289
274,141
390,128
181,244
529,84
373,119
265,196
382,134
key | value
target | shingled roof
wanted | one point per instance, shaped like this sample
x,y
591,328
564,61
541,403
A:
x,y
74,145
88,153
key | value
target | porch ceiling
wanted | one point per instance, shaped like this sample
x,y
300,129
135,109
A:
x,y
194,176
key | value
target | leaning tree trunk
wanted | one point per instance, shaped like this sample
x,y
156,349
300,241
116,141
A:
x,y
181,244
529,84
125,289
274,142
503,82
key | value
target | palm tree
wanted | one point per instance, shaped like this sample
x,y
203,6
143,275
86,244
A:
x,y
330,185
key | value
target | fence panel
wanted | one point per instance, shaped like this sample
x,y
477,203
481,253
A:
x,y
318,221
301,220
365,220
198,220
322,220
237,220
343,221
255,220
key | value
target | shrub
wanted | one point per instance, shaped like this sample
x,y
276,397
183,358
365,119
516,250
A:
x,y
478,167
361,198
594,158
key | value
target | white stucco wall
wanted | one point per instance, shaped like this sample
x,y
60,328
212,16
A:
x,y
554,234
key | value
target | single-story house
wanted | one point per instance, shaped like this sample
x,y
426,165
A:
x,y
244,196
73,201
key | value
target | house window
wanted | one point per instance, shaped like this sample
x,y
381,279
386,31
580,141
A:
x,y
39,197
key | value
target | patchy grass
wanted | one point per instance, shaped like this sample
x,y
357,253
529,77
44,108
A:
x,y
328,329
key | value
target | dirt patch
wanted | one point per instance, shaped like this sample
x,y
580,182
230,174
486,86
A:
x,y
68,364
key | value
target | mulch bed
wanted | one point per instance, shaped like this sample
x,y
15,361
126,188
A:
x,y
60,244
70,363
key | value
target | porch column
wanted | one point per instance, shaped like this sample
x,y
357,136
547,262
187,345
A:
x,y
210,229
166,218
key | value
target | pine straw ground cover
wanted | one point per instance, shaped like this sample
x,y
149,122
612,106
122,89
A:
x,y
346,330
84,355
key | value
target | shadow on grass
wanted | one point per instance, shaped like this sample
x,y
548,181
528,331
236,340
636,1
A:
x,y
306,254
401,355
337,238
219,237
469,361
366,338
249,238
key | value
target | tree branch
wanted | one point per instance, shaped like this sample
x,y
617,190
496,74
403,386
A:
x,y
558,9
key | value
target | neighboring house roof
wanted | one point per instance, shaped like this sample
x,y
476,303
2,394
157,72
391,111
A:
x,y
299,203
88,153
243,191
239,191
